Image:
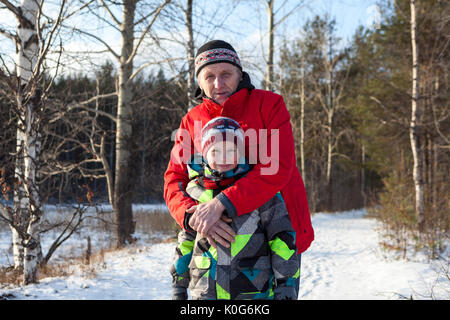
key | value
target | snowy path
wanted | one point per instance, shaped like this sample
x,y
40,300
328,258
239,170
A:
x,y
344,262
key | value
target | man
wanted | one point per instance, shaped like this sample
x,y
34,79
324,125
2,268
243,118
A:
x,y
227,91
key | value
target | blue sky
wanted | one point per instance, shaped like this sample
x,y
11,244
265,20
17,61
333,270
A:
x,y
349,14
245,26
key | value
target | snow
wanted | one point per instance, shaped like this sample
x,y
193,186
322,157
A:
x,y
128,274
344,262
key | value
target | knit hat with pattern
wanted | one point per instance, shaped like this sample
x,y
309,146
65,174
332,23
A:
x,y
216,51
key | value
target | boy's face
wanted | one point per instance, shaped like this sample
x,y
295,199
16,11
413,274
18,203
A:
x,y
222,156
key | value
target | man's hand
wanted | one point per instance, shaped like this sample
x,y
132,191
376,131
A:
x,y
206,215
221,233
206,220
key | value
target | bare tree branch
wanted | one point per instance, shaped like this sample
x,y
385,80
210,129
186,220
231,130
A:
x,y
15,10
99,39
8,34
144,33
113,17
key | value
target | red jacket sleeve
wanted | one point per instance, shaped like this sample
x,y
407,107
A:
x,y
176,176
267,177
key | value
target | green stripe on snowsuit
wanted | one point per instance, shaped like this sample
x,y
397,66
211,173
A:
x,y
260,264
182,258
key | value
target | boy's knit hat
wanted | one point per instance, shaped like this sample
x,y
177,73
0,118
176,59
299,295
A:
x,y
221,129
216,51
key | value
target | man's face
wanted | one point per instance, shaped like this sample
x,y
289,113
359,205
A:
x,y
222,156
219,80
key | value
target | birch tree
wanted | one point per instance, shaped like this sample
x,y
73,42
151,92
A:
x,y
273,22
26,200
191,54
31,50
415,123
302,118
38,147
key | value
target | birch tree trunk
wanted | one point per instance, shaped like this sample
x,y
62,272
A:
x,y
122,188
27,206
32,150
363,174
270,47
331,107
415,124
330,116
191,55
302,120
20,213
271,27
31,136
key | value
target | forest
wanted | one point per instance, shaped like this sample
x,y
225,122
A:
x,y
370,117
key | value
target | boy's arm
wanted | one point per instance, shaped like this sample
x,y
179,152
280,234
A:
x,y
284,260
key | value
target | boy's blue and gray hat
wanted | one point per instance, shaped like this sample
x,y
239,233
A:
x,y
216,51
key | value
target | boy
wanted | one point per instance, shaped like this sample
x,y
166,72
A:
x,y
262,262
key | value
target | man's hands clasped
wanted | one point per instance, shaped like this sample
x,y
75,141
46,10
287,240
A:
x,y
208,219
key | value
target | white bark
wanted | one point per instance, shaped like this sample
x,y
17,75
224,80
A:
x,y
27,52
330,145
191,55
27,202
28,48
270,45
32,253
331,104
363,174
272,25
415,123
302,120
17,249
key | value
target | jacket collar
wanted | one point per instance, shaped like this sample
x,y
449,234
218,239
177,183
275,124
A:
x,y
199,167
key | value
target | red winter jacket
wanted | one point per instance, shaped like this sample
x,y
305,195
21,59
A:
x,y
253,109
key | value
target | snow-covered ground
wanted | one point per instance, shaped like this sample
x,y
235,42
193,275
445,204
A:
x,y
97,225
347,262
344,262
